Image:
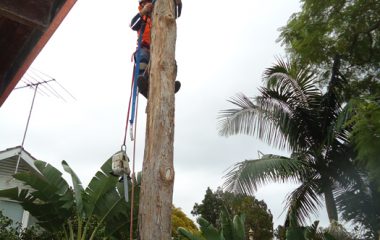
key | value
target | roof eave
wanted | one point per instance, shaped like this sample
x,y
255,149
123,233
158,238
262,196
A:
x,y
26,156
65,9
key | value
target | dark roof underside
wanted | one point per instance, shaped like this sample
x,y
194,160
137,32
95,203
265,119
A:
x,y
22,25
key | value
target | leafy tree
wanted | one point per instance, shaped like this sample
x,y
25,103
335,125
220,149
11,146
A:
x,y
325,29
257,214
359,203
77,212
210,207
351,30
230,228
293,113
13,231
7,231
280,233
366,134
179,219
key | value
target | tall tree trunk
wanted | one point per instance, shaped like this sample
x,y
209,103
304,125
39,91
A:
x,y
330,204
158,171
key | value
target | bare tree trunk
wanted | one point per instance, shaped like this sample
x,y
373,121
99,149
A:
x,y
158,170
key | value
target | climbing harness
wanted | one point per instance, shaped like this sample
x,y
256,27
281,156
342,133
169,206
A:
x,y
135,76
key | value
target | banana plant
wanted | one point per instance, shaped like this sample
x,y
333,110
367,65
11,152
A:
x,y
76,211
297,232
231,229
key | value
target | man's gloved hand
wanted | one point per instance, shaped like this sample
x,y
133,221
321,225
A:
x,y
178,8
147,9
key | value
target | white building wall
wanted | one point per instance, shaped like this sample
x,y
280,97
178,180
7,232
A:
x,y
12,210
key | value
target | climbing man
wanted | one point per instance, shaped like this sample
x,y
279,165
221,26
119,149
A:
x,y
142,22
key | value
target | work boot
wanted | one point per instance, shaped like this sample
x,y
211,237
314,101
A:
x,y
142,83
177,86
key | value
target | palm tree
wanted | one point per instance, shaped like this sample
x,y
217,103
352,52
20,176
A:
x,y
292,113
77,212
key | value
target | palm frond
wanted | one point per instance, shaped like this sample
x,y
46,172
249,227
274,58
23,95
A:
x,y
303,201
188,235
208,230
238,120
50,215
78,188
251,119
293,112
50,186
289,84
226,224
297,83
358,201
100,186
51,200
246,176
280,66
284,127
238,223
344,116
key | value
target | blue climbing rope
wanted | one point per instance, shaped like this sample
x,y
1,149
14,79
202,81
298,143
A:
x,y
137,70
136,73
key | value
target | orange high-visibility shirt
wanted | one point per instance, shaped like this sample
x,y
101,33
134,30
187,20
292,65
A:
x,y
146,35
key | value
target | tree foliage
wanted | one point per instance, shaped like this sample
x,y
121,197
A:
x,y
78,213
96,212
257,215
293,112
179,219
230,228
350,30
366,135
13,231
324,29
334,232
7,230
210,207
293,231
359,203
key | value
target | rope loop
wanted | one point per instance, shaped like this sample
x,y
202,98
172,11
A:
x,y
123,148
131,133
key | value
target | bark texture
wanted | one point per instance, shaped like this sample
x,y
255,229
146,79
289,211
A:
x,y
158,170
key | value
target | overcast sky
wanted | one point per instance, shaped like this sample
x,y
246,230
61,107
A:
x,y
222,49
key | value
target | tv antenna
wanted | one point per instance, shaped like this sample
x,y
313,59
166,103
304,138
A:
x,y
42,84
